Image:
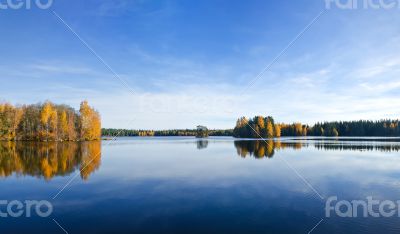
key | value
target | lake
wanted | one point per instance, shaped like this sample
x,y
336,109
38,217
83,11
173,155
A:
x,y
188,185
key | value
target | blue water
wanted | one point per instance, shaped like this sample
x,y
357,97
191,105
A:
x,y
186,185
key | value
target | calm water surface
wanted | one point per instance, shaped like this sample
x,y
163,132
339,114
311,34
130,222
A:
x,y
185,185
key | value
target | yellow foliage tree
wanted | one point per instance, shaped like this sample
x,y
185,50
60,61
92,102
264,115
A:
x,y
90,122
9,120
270,129
48,118
298,128
63,128
277,130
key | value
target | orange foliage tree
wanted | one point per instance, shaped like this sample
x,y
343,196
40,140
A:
x,y
49,122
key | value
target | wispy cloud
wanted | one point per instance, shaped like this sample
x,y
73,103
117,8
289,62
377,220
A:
x,y
61,69
117,7
377,68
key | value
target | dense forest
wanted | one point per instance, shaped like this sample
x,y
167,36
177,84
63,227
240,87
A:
x,y
265,127
184,132
49,122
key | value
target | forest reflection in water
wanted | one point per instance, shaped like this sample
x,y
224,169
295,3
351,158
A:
x,y
261,149
266,149
49,159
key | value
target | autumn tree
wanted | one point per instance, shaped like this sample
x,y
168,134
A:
x,y
63,126
298,127
259,123
270,129
29,127
89,122
9,120
242,128
277,130
48,118
48,122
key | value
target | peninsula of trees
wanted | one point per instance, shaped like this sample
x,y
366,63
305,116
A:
x,y
49,122
265,127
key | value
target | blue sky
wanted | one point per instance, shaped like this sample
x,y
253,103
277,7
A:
x,y
189,62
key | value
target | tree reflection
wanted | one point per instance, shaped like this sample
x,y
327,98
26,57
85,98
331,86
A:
x,y
257,149
343,146
49,159
202,144
266,149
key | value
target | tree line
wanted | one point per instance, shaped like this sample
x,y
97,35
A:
x,y
110,132
49,122
265,127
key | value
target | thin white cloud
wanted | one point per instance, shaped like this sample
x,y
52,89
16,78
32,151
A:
x,y
377,68
65,69
381,87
